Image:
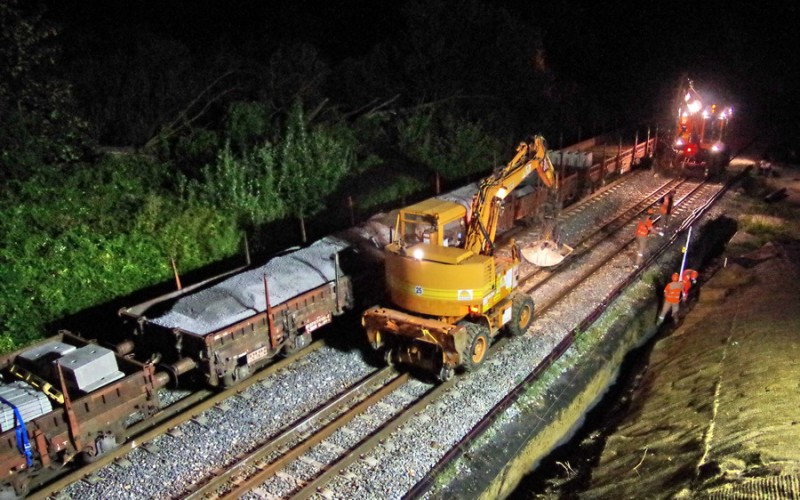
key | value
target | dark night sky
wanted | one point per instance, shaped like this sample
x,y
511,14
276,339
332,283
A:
x,y
736,51
740,52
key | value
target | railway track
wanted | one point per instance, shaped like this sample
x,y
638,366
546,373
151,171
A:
x,y
298,437
610,239
292,463
535,277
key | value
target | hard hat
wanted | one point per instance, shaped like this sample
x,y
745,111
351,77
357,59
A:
x,y
675,277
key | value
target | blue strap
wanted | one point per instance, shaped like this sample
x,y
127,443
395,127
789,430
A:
x,y
23,444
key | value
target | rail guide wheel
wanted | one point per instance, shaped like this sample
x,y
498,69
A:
x,y
388,357
446,373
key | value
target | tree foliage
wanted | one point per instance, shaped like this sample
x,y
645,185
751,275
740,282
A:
x,y
242,186
73,241
38,119
489,65
312,163
450,147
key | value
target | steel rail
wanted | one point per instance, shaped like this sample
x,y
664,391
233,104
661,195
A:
x,y
372,441
615,224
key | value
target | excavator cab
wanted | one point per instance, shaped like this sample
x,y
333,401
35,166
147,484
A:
x,y
432,222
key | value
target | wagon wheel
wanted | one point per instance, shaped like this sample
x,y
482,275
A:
x,y
296,343
522,308
102,445
477,346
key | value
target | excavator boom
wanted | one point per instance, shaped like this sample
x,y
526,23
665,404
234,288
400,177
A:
x,y
531,155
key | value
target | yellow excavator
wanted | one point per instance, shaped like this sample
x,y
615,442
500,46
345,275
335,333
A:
x,y
451,292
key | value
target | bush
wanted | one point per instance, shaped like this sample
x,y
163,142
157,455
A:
x,y
74,241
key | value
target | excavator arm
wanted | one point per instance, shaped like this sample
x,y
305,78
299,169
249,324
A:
x,y
531,155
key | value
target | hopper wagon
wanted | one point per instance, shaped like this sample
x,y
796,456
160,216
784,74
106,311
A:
x,y
225,328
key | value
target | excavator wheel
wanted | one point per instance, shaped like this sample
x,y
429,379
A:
x,y
477,346
521,314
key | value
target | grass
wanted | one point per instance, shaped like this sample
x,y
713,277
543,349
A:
x,y
767,227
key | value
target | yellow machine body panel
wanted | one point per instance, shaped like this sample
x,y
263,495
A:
x,y
444,210
447,281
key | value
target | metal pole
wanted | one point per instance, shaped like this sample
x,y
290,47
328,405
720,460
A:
x,y
175,272
336,284
685,252
352,212
273,342
246,250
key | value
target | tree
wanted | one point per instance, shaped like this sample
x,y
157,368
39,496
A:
x,y
39,123
312,163
450,147
242,186
295,73
490,62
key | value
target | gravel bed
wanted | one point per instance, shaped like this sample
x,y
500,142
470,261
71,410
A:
x,y
324,454
343,438
217,436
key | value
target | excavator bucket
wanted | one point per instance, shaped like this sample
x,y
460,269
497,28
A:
x,y
546,253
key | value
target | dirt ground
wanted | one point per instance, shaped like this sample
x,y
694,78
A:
x,y
714,408
716,413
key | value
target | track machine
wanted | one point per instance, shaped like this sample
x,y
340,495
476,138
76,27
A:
x,y
451,293
698,147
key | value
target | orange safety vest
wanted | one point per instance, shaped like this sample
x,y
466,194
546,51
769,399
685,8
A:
x,y
688,276
672,292
644,226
